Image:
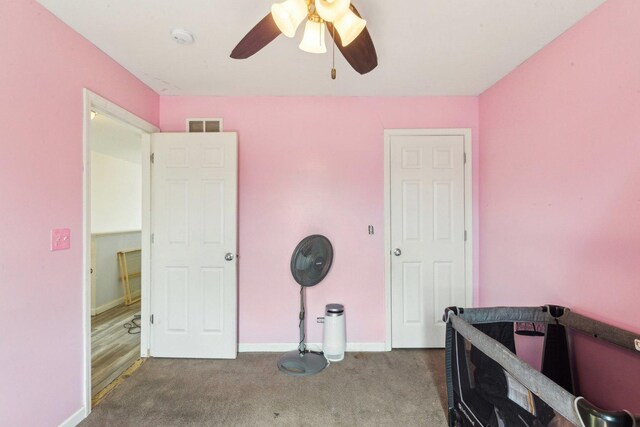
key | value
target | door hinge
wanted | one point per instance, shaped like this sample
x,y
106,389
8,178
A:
x,y
153,158
465,235
465,158
152,319
153,238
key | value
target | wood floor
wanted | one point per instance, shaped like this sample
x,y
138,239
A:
x,y
113,349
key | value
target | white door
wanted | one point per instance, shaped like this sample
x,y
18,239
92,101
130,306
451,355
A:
x,y
193,255
427,202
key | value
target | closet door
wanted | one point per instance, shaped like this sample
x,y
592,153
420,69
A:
x,y
427,195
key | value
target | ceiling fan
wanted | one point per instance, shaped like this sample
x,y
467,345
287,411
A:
x,y
339,17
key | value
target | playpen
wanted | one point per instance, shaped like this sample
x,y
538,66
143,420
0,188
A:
x,y
488,385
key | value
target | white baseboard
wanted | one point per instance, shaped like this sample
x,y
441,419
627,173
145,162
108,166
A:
x,y
114,303
74,419
282,347
366,346
107,306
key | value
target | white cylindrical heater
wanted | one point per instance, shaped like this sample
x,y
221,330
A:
x,y
334,340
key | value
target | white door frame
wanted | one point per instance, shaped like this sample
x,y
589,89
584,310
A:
x,y
95,102
468,214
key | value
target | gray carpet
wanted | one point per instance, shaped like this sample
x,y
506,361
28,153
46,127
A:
x,y
398,388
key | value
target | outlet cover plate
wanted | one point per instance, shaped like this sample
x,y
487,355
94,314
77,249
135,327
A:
x,y
60,239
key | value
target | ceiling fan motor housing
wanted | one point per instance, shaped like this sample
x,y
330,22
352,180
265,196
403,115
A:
x,y
331,10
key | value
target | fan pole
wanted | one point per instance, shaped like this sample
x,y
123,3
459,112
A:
x,y
301,345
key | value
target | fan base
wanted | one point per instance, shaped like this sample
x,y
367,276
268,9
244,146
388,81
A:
x,y
301,364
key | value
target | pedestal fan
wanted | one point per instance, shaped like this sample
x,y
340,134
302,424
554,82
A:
x,y
310,263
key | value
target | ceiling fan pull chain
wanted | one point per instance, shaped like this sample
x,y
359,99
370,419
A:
x,y
333,65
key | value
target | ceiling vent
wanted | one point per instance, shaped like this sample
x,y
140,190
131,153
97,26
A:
x,y
204,125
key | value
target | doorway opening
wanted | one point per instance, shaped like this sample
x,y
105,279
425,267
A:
x,y
116,226
116,188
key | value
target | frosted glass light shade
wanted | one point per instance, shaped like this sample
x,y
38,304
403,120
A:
x,y
331,10
288,15
313,40
349,27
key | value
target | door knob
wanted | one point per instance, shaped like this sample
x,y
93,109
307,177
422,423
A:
x,y
397,252
229,256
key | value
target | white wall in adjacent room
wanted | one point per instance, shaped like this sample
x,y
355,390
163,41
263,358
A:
x,y
116,176
116,194
116,205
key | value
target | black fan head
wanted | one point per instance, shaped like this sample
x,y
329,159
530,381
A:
x,y
311,260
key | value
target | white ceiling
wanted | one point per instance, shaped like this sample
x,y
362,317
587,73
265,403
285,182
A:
x,y
428,47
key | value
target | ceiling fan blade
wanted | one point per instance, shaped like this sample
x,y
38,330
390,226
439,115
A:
x,y
360,53
261,35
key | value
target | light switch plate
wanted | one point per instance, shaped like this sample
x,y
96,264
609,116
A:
x,y
60,239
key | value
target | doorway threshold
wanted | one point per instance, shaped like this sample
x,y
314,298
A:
x,y
99,397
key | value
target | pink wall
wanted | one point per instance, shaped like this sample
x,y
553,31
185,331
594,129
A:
x,y
560,184
44,67
313,165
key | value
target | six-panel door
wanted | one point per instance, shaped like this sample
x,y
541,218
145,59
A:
x,y
427,235
193,283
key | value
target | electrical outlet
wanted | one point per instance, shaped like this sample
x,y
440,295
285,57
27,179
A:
x,y
60,239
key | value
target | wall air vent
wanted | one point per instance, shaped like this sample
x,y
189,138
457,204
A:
x,y
204,125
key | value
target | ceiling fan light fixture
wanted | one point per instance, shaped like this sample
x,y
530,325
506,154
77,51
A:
x,y
349,27
285,17
313,40
331,10
288,15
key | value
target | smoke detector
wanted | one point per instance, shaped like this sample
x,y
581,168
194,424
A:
x,y
181,36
